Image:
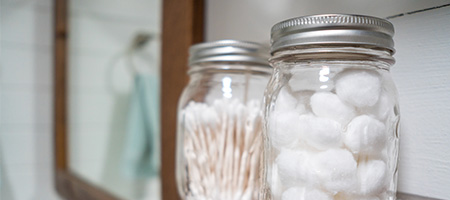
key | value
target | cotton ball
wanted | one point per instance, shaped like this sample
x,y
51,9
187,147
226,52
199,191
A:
x,y
283,130
343,196
276,187
285,101
336,169
358,87
304,96
327,104
289,102
365,135
383,108
293,193
302,193
369,198
315,194
320,133
372,177
301,108
293,167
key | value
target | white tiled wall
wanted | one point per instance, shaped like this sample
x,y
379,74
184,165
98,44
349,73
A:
x,y
101,30
25,100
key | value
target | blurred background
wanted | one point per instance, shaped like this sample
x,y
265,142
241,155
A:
x,y
114,53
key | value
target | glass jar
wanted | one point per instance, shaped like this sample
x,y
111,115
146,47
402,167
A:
x,y
331,110
219,131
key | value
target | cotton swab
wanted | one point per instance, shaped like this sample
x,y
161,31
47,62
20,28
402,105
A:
x,y
222,148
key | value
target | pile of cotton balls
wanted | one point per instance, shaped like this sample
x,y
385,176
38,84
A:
x,y
333,144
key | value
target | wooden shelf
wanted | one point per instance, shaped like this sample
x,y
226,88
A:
x,y
403,196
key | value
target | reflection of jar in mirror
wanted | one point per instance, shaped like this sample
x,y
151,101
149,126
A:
x,y
219,121
331,110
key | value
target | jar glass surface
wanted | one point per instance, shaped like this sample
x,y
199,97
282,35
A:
x,y
331,125
220,131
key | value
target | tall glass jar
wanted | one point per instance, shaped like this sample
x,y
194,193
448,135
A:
x,y
220,121
331,110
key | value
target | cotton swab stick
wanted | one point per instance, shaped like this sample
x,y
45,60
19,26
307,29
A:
x,y
222,148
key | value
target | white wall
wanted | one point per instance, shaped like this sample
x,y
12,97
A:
x,y
25,100
422,72
252,19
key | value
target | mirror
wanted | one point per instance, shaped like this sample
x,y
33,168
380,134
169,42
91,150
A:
x,y
113,95
107,78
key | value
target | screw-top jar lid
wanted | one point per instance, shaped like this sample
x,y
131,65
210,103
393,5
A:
x,y
229,51
336,29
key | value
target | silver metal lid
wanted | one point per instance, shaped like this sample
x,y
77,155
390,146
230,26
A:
x,y
339,29
229,51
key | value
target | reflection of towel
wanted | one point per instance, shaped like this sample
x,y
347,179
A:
x,y
141,154
1,170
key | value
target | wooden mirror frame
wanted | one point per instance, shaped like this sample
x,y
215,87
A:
x,y
182,26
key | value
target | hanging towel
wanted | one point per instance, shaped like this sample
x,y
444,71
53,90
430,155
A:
x,y
141,159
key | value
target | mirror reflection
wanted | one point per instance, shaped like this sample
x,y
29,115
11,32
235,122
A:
x,y
113,95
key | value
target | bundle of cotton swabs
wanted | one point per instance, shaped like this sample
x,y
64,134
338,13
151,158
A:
x,y
222,147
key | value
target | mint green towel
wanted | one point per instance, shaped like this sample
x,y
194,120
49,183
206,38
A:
x,y
1,170
142,147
